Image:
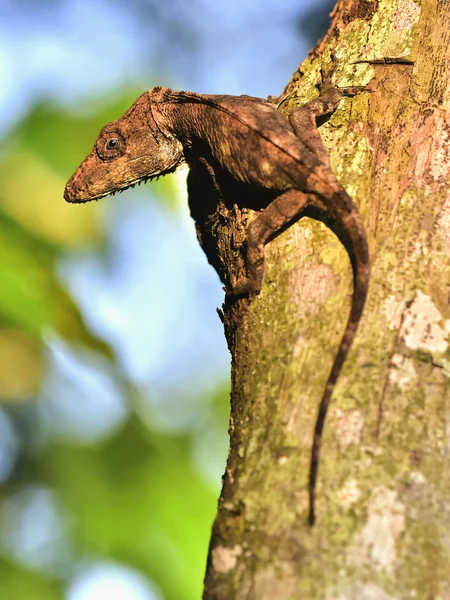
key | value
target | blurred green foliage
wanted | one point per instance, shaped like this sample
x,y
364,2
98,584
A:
x,y
137,496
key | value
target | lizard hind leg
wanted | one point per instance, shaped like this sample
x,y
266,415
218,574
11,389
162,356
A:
x,y
281,212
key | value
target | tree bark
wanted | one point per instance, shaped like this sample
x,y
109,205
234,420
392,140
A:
x,y
383,497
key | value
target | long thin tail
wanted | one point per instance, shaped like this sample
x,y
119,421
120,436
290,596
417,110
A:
x,y
353,230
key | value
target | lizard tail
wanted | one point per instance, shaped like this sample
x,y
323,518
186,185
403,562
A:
x,y
355,232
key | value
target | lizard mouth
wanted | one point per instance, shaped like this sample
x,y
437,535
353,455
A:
x,y
77,196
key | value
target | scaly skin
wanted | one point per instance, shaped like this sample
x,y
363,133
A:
x,y
244,144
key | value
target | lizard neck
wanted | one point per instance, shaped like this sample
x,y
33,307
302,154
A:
x,y
182,115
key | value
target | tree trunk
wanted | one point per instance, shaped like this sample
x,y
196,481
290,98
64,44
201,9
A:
x,y
383,496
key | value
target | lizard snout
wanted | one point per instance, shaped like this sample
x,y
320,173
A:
x,y
74,194
69,192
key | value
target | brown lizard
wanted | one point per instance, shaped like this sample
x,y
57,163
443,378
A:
x,y
244,144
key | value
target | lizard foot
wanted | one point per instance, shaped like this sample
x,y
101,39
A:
x,y
242,288
326,87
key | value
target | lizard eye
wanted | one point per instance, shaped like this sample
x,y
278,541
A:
x,y
112,144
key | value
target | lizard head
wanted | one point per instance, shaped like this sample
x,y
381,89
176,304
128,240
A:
x,y
127,151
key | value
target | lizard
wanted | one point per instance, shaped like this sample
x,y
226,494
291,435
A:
x,y
245,144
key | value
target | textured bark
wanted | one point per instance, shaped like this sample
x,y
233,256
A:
x,y
383,498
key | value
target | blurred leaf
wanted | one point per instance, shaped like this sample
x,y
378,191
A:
x,y
33,194
21,365
32,298
24,280
20,584
128,508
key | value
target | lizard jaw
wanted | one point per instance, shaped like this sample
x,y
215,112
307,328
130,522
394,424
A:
x,y
76,196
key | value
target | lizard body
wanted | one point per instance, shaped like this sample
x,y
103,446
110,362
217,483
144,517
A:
x,y
245,145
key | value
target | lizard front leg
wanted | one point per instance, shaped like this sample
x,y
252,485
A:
x,y
279,213
303,118
287,207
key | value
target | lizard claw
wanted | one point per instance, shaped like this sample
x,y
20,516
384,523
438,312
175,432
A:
x,y
327,88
